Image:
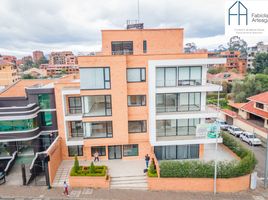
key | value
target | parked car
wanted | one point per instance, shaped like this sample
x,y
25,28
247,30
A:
x,y
235,130
223,124
250,138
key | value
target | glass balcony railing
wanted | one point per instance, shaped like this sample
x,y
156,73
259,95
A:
x,y
18,125
174,83
182,108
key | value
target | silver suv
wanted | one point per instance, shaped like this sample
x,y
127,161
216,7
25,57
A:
x,y
235,130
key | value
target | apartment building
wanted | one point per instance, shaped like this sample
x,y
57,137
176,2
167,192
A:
x,y
253,51
59,70
62,58
8,73
28,122
140,95
234,61
37,55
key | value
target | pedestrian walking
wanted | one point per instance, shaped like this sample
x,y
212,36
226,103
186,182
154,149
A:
x,y
96,156
147,159
66,192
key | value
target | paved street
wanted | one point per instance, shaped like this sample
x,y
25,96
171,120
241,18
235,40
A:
x,y
260,155
41,193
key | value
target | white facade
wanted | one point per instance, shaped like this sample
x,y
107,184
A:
x,y
180,86
252,52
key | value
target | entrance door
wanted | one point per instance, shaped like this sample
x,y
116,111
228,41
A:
x,y
115,152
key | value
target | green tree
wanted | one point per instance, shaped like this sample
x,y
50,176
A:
x,y
76,164
260,63
27,76
237,44
216,70
252,85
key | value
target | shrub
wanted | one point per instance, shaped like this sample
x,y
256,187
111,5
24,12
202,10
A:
x,y
201,169
76,164
152,169
85,171
92,168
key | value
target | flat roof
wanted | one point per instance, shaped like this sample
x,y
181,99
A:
x,y
18,88
145,29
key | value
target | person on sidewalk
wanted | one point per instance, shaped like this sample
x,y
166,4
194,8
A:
x,y
96,156
66,192
147,159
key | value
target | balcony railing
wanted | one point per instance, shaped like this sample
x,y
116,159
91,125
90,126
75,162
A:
x,y
75,111
172,83
182,108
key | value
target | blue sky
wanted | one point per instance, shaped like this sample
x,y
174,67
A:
x,y
27,25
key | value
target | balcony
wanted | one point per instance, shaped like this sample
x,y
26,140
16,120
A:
x,y
203,112
95,106
208,87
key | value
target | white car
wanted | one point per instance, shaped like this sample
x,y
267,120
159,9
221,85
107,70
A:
x,y
250,138
223,124
235,130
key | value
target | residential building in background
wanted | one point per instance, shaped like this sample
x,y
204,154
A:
x,y
62,58
224,76
137,96
8,73
234,61
37,55
59,70
252,52
36,73
251,116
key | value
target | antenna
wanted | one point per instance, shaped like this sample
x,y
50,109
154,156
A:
x,y
138,10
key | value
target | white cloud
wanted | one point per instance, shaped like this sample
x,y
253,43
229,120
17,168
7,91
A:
x,y
27,25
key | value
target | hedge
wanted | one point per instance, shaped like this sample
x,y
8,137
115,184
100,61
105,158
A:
x,y
202,169
86,171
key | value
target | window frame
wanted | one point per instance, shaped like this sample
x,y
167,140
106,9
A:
x,y
122,50
142,95
141,79
105,107
106,129
124,148
104,79
98,149
74,107
144,44
143,128
80,152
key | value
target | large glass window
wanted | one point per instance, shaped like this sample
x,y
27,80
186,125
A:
x,y
131,150
136,100
176,127
95,78
18,125
98,129
122,47
75,105
177,152
136,75
75,150
178,102
178,76
97,105
137,126
100,149
76,128
44,101
46,118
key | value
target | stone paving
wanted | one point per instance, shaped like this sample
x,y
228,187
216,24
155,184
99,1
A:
x,y
42,193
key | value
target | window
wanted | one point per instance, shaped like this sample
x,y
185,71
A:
x,y
122,47
131,150
144,46
136,100
98,129
76,128
178,102
259,105
137,126
179,127
46,118
18,125
75,150
95,78
136,75
75,105
100,149
178,76
99,105
175,152
44,101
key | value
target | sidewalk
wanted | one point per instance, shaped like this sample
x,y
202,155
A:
x,y
42,193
